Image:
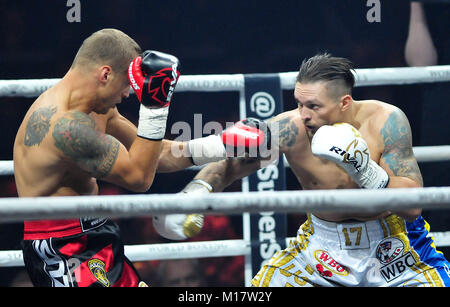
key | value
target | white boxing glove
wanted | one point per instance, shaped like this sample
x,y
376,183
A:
x,y
343,144
182,226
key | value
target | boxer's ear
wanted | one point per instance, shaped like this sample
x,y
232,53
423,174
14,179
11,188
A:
x,y
346,102
104,72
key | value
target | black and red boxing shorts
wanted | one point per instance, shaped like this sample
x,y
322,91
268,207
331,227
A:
x,y
89,259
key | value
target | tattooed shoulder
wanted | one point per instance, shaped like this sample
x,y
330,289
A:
x,y
285,129
38,125
79,139
398,154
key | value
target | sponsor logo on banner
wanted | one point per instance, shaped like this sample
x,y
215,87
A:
x,y
263,99
327,265
267,223
262,104
97,268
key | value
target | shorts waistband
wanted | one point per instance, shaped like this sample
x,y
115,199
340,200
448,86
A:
x,y
44,229
373,230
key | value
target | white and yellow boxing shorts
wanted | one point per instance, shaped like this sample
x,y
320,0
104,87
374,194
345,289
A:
x,y
388,252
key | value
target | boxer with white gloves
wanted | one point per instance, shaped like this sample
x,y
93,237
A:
x,y
343,144
321,138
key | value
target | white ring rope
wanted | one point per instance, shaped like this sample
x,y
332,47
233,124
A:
x,y
187,250
422,153
235,82
120,206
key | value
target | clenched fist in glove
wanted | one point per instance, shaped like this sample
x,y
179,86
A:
x,y
182,226
249,136
343,144
153,77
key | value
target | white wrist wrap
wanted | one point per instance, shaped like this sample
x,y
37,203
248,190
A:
x,y
152,122
372,176
206,150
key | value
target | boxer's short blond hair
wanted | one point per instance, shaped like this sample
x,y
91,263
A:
x,y
107,47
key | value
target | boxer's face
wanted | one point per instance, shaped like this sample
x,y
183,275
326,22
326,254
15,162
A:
x,y
316,105
115,88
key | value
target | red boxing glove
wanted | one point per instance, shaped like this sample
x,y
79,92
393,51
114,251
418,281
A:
x,y
153,77
249,136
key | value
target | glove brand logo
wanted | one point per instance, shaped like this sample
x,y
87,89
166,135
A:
x,y
262,104
162,84
131,77
347,158
173,82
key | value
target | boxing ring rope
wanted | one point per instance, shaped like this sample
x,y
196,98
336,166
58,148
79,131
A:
x,y
422,154
124,206
235,82
30,208
19,209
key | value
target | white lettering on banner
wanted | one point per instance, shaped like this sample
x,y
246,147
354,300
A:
x,y
262,104
266,223
59,275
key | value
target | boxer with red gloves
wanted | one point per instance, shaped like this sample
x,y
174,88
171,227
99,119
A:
x,y
86,139
153,77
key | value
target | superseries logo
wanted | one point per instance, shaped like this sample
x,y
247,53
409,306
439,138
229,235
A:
x,y
390,253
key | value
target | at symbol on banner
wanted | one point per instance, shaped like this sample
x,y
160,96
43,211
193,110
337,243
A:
x,y
262,104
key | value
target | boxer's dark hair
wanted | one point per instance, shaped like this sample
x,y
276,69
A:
x,y
107,47
325,67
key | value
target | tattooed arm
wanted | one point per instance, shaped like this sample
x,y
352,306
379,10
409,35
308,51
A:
x,y
103,156
221,174
174,155
398,158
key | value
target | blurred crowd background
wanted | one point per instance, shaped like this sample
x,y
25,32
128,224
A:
x,y
227,37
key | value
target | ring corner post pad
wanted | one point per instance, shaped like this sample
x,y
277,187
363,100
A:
x,y
265,230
